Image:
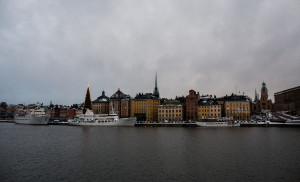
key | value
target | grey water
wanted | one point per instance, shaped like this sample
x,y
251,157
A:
x,y
70,153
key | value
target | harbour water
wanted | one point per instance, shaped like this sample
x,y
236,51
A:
x,y
66,153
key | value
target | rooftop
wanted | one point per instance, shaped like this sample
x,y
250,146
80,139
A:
x,y
288,90
142,96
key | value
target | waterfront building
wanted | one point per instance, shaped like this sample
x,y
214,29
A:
x,y
182,101
62,112
87,102
115,102
208,107
55,112
145,107
262,104
192,105
288,100
125,107
71,113
170,110
236,107
101,104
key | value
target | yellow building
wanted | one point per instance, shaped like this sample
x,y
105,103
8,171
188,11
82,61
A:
x,y
171,110
237,107
145,107
209,111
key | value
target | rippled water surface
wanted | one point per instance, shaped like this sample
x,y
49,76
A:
x,y
66,153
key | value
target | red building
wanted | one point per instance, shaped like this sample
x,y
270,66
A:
x,y
71,113
192,105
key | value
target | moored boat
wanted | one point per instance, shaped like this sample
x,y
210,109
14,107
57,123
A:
x,y
91,119
32,117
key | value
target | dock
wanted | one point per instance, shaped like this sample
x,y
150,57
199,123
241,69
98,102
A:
x,y
163,124
269,125
7,121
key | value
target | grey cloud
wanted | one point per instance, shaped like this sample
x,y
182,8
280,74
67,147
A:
x,y
50,50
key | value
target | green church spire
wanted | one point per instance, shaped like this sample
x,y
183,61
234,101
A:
x,y
156,92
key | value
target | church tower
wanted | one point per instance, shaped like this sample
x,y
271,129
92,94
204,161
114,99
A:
x,y
87,103
264,92
264,103
155,91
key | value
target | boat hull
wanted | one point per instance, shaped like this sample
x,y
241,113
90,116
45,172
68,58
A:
x,y
32,120
120,122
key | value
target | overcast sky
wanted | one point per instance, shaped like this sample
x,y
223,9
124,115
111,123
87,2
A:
x,y
51,49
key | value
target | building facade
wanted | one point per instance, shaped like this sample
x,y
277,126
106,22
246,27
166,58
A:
x,y
264,103
145,107
101,104
71,113
237,107
170,110
208,107
192,105
115,102
288,100
182,101
62,112
125,107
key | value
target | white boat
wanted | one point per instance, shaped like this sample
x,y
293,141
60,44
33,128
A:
x,y
33,117
216,123
91,119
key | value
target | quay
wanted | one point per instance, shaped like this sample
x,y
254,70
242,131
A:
x,y
164,124
58,121
7,121
269,125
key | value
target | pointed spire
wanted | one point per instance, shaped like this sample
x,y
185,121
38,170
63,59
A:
x,y
156,80
156,92
87,102
256,96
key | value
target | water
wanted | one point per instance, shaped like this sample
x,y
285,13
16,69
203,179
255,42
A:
x,y
66,153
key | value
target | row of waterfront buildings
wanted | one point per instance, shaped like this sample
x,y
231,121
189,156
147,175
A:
x,y
149,107
192,107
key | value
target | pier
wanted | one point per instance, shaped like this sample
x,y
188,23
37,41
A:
x,y
269,125
164,124
7,121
